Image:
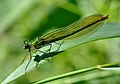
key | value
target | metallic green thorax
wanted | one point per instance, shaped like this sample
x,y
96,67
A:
x,y
38,43
78,28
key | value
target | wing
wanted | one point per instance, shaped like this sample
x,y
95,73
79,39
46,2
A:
x,y
78,28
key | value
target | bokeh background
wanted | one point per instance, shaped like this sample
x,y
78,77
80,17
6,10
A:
x,y
27,19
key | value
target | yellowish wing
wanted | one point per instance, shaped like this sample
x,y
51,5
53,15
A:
x,y
78,28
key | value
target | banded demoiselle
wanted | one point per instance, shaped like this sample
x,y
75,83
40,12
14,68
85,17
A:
x,y
80,28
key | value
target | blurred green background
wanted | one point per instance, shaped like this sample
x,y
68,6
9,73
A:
x,y
26,19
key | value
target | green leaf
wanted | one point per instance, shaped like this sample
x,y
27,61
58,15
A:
x,y
108,30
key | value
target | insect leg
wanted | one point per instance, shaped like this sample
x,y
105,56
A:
x,y
49,48
28,62
37,64
49,51
44,52
40,51
59,45
24,58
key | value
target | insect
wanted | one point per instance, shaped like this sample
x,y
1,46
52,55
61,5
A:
x,y
79,28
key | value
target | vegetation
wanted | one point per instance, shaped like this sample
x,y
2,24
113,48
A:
x,y
87,60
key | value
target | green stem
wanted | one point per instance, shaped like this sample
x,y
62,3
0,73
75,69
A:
x,y
99,67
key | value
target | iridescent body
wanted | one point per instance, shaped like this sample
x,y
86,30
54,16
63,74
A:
x,y
78,28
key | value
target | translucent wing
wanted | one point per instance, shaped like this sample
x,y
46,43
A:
x,y
78,28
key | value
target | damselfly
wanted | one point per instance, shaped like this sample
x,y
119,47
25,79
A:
x,y
80,27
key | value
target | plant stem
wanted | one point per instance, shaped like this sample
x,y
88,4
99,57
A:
x,y
99,67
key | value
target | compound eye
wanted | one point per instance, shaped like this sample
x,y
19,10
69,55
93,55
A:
x,y
26,45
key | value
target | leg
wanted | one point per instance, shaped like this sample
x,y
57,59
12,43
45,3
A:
x,y
37,50
24,58
59,45
45,53
49,51
37,64
49,48
28,62
48,60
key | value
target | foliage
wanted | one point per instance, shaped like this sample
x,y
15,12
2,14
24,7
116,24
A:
x,y
28,19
